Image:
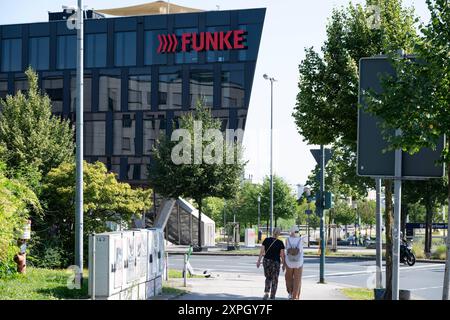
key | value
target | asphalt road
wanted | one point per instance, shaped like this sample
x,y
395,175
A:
x,y
423,279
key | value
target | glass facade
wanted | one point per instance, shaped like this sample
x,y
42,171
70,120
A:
x,y
217,56
66,52
185,57
95,51
3,89
124,135
132,93
232,85
94,138
11,55
109,93
54,87
201,88
87,93
39,53
170,90
125,49
139,92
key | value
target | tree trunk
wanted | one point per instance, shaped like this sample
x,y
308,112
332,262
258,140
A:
x,y
199,224
389,221
446,286
428,227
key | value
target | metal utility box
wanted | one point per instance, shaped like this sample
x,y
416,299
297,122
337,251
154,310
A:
x,y
158,251
158,285
128,264
109,264
149,289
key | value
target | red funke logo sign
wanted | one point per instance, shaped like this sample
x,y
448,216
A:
x,y
202,41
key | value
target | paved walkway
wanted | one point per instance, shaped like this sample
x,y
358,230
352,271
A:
x,y
230,286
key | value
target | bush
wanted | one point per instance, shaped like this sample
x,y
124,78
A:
x,y
418,249
440,252
8,267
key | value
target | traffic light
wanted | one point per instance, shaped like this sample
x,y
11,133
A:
x,y
329,200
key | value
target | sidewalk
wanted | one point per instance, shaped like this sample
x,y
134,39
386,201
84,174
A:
x,y
230,286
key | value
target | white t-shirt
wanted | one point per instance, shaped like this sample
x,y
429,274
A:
x,y
295,242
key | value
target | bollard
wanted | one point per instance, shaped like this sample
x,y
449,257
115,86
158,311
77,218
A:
x,y
185,270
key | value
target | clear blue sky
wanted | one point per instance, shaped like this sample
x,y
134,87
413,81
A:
x,y
290,26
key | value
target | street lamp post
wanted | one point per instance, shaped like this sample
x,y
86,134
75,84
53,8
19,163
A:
x,y
272,80
76,21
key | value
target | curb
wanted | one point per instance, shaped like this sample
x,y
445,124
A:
x,y
305,256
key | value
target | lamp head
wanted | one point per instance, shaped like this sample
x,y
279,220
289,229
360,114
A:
x,y
265,76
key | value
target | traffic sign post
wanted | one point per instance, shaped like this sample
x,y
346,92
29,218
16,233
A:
x,y
374,161
322,156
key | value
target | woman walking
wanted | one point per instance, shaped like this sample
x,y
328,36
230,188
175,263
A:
x,y
273,251
294,263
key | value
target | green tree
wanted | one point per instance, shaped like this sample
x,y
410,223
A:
x,y
17,201
191,178
343,214
366,210
105,199
284,201
213,207
327,102
34,139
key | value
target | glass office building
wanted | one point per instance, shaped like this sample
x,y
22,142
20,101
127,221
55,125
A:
x,y
133,90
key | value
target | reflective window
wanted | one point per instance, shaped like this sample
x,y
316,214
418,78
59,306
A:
x,y
134,168
124,135
125,49
190,56
94,138
11,55
54,89
153,129
87,93
151,43
169,90
39,53
139,92
251,42
66,52
109,93
21,84
95,53
201,86
3,89
216,55
233,95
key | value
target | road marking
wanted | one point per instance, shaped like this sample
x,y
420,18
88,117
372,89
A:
x,y
427,288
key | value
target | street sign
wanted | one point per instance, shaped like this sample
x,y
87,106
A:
x,y
423,226
372,160
316,155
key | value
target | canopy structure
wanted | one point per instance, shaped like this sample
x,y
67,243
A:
x,y
157,7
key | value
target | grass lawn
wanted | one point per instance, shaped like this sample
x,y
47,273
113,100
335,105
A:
x,y
176,274
358,293
167,290
41,284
